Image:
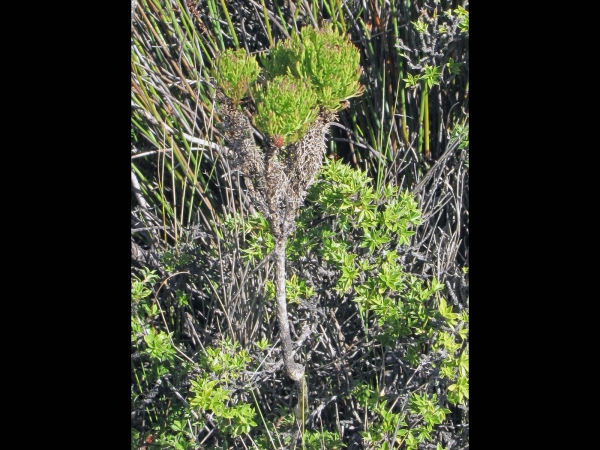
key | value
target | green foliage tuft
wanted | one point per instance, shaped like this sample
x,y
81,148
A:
x,y
322,57
235,73
285,107
463,16
227,363
316,68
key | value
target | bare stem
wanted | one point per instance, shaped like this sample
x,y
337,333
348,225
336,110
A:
x,y
294,370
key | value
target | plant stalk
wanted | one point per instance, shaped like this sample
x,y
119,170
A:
x,y
294,370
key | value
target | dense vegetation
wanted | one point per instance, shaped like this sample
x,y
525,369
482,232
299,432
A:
x,y
377,266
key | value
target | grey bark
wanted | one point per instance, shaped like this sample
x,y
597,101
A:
x,y
294,370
